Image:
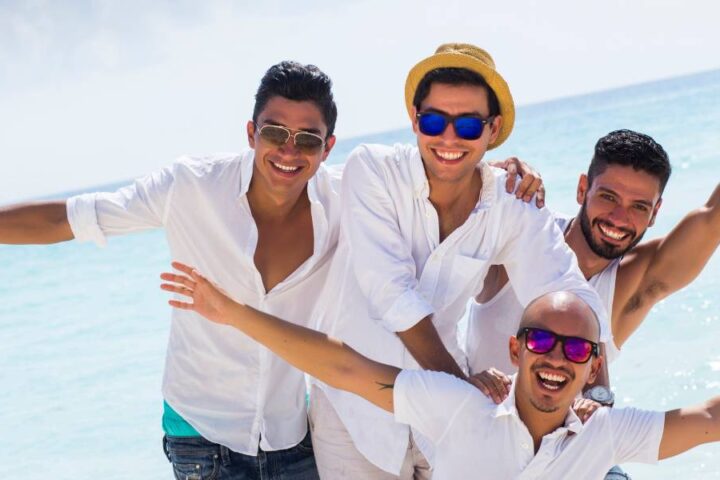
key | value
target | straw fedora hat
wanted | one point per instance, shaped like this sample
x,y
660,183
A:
x,y
470,57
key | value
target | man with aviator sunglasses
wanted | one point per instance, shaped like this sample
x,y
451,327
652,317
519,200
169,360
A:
x,y
264,223
533,433
420,226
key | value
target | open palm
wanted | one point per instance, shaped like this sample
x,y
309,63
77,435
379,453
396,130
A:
x,y
207,299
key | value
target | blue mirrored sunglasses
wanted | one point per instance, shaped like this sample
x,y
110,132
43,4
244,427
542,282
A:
x,y
467,127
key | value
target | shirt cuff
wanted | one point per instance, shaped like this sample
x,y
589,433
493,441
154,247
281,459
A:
x,y
401,409
83,219
406,311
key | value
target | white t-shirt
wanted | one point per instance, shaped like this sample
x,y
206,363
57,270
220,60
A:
x,y
476,439
491,324
231,389
391,270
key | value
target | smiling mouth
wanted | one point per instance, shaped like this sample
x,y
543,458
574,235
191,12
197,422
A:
x,y
448,156
612,233
287,169
551,381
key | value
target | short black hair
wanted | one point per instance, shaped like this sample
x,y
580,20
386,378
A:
x,y
295,81
454,76
633,149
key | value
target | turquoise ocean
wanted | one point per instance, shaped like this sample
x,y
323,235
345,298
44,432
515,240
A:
x,y
83,330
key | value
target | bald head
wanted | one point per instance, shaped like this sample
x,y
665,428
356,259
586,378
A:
x,y
562,312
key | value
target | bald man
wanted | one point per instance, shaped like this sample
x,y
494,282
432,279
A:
x,y
533,433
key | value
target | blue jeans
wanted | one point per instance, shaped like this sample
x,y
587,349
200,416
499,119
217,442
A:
x,y
195,458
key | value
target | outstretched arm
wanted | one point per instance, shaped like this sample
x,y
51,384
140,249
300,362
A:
x,y
326,359
686,428
37,223
661,267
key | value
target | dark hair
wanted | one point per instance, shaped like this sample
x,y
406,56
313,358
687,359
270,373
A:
x,y
298,82
633,149
454,76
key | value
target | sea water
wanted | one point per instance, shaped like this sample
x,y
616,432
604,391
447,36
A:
x,y
83,330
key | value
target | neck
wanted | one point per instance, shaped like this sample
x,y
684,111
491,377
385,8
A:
x,y
590,263
448,194
267,205
539,423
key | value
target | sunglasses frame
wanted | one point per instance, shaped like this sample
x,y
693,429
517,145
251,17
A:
x,y
451,119
594,351
292,135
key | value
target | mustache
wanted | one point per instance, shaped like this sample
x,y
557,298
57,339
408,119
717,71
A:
x,y
547,366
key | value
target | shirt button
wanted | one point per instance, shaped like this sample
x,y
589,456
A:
x,y
525,446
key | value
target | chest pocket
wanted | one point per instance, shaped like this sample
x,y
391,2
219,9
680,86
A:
x,y
452,277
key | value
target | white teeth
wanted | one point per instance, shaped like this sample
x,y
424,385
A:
x,y
285,168
551,381
449,155
612,233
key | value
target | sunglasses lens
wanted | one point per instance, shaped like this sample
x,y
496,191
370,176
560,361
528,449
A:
x,y
468,128
308,142
539,341
277,136
577,350
432,124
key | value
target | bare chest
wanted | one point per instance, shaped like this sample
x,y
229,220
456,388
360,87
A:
x,y
282,248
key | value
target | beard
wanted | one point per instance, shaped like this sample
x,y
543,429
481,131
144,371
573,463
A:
x,y
601,248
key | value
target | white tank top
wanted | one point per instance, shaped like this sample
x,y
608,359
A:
x,y
490,325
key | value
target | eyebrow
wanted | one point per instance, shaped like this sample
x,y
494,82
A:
x,y
463,114
270,121
643,202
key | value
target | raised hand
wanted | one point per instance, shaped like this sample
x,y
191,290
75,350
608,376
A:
x,y
207,299
530,183
584,408
493,383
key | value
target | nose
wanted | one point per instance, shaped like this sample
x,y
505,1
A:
x,y
619,216
289,148
556,355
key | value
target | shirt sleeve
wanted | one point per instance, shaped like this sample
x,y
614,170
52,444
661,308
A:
x,y
140,206
381,258
539,261
430,401
636,434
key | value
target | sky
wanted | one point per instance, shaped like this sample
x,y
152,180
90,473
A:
x,y
93,92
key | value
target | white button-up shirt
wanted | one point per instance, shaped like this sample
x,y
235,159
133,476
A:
x,y
474,438
391,270
231,389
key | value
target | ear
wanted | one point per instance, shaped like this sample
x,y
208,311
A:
x,y
329,144
514,351
495,128
582,188
415,128
251,133
655,212
595,367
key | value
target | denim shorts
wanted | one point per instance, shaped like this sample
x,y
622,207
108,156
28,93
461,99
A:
x,y
195,458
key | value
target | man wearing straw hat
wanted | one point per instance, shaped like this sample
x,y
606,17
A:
x,y
420,226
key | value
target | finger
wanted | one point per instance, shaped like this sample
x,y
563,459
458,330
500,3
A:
x,y
480,385
533,188
540,197
511,175
182,267
169,287
181,305
524,185
181,279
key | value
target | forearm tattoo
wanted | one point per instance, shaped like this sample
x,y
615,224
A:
x,y
384,386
